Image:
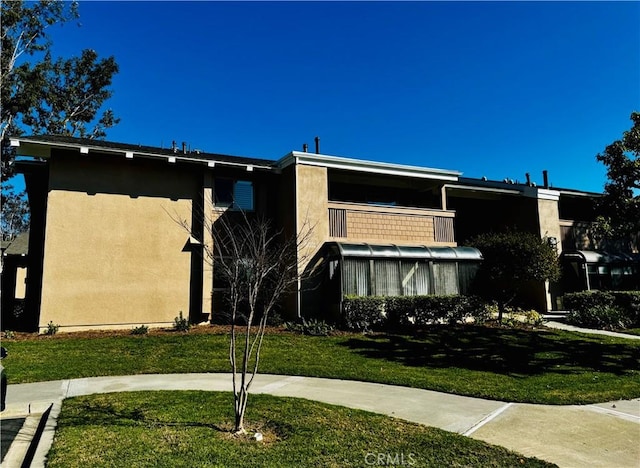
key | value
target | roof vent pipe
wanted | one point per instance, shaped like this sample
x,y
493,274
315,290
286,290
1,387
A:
x,y
545,179
184,147
305,147
174,146
317,145
528,176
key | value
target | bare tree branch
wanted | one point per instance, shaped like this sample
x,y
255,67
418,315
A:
x,y
259,266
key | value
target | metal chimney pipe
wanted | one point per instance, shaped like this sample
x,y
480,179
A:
x,y
184,147
317,145
305,147
545,178
528,176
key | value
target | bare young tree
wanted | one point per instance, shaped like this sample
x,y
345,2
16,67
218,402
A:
x,y
259,266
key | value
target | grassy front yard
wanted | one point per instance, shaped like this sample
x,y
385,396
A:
x,y
536,366
188,429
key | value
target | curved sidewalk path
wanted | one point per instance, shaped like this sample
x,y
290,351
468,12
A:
x,y
603,435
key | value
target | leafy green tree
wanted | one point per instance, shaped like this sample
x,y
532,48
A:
x,y
15,216
512,260
43,95
619,208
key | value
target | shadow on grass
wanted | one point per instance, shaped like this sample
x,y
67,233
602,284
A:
x,y
503,351
99,413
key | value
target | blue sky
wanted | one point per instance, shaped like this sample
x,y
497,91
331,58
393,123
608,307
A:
x,y
489,89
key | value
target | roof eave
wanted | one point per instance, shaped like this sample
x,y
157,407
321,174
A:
x,y
42,149
359,165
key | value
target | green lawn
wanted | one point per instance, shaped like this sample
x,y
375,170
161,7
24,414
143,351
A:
x,y
536,366
191,429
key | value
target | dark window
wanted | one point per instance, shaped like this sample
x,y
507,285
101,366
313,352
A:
x,y
235,194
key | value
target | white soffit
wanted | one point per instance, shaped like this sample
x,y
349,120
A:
x,y
359,165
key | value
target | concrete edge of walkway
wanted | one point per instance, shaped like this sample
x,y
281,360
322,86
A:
x,y
465,415
588,331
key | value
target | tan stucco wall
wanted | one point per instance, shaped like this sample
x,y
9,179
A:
x,y
549,219
311,223
549,222
116,258
312,211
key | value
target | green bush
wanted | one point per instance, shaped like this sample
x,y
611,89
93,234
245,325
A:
x,y
630,303
600,317
141,330
181,324
274,319
52,328
363,313
402,312
604,309
312,327
586,299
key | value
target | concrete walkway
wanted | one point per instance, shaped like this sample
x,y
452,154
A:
x,y
564,326
604,435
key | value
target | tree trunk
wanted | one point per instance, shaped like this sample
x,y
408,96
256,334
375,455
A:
x,y
501,308
240,408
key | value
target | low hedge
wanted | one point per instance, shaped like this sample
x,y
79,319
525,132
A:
x,y
377,313
604,310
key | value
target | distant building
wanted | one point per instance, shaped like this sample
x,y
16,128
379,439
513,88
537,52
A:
x,y
14,279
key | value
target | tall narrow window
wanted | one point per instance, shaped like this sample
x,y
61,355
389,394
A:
x,y
357,277
387,278
445,278
415,278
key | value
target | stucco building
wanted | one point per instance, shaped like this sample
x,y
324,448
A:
x,y
106,250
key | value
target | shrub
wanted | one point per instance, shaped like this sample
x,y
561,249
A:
x,y
9,334
402,312
141,330
485,311
52,328
601,317
181,324
630,303
311,327
363,313
533,317
606,309
274,319
586,299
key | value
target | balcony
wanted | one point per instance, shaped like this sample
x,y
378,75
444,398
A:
x,y
358,222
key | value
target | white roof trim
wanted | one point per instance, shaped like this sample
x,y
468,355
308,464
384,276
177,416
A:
x,y
541,193
475,188
33,147
374,167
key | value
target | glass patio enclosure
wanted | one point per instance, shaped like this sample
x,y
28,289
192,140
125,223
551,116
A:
x,y
585,270
392,270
